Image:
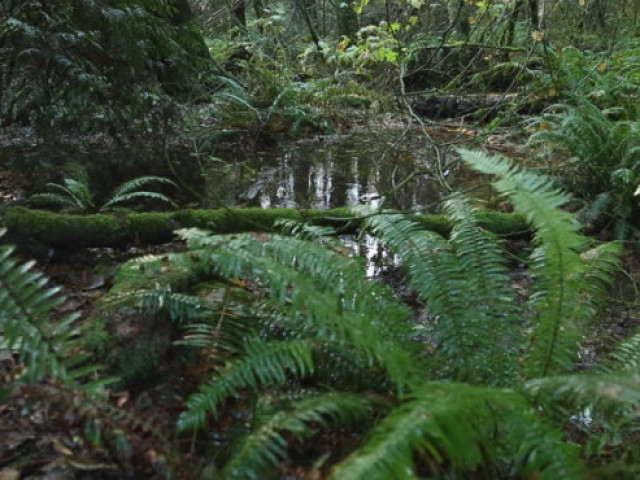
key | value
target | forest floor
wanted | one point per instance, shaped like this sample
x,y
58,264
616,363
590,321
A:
x,y
43,435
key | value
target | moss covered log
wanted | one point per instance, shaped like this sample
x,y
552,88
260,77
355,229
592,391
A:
x,y
31,228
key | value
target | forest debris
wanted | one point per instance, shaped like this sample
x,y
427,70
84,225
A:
x,y
9,474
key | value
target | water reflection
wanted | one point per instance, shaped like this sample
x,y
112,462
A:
x,y
321,173
327,175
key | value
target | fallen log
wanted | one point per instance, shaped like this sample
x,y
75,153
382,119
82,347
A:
x,y
29,228
486,106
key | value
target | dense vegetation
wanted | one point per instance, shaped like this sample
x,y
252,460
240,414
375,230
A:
x,y
255,346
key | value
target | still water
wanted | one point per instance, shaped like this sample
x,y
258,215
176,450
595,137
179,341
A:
x,y
364,168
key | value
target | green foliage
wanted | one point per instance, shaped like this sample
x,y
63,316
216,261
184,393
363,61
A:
x,y
558,297
75,195
264,364
474,334
46,346
308,317
603,167
459,422
93,66
261,451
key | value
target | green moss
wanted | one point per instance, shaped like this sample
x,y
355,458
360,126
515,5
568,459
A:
x,y
511,224
436,223
152,227
75,231
154,272
67,231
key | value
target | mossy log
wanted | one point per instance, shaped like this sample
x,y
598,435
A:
x,y
456,106
36,228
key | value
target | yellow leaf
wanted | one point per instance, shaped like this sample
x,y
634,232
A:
x,y
342,46
537,36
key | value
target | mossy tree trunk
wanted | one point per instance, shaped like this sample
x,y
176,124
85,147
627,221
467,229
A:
x,y
346,19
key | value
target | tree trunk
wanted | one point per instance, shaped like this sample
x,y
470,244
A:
x,y
239,11
307,9
346,19
534,14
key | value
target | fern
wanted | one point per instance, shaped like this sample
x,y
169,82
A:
x,y
76,195
604,161
267,445
464,283
264,364
616,394
625,357
467,426
129,191
557,266
46,347
325,294
306,313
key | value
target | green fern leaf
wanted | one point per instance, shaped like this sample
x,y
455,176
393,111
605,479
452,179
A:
x,y
324,292
266,446
53,199
115,200
557,266
460,425
134,184
463,284
613,393
26,310
264,364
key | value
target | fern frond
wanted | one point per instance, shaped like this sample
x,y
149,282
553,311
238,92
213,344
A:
x,y
241,102
265,447
305,231
460,281
232,85
180,307
114,200
325,293
264,364
463,426
601,262
625,357
26,309
559,302
53,199
134,184
488,294
614,393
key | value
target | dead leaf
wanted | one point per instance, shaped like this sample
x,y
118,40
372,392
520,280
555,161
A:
x,y
97,281
122,398
9,474
60,448
71,305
